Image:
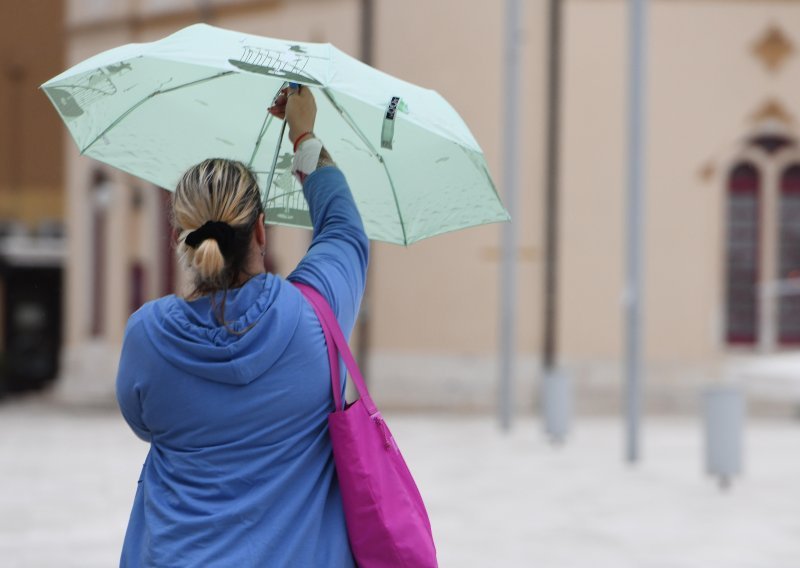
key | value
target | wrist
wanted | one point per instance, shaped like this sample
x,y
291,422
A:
x,y
298,128
306,157
300,138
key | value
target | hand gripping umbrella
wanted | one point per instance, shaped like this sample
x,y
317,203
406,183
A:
x,y
155,109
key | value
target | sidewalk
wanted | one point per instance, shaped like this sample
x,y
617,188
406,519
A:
x,y
67,480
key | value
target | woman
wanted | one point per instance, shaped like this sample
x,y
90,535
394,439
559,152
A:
x,y
231,386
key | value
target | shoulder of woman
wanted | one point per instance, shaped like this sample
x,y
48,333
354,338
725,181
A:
x,y
148,310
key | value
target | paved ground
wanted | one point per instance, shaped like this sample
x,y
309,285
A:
x,y
67,479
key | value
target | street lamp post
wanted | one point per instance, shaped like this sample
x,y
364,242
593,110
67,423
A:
x,y
363,334
508,281
555,391
634,287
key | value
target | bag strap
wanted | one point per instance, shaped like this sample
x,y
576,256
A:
x,y
337,345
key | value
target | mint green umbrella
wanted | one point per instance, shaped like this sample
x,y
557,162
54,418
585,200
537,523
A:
x,y
155,109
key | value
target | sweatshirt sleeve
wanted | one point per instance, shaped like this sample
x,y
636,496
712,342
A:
x,y
128,385
336,262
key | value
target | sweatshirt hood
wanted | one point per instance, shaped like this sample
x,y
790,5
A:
x,y
188,335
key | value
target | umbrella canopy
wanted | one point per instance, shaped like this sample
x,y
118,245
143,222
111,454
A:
x,y
156,109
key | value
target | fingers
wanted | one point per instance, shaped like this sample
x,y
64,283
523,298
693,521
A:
x,y
282,101
278,111
278,108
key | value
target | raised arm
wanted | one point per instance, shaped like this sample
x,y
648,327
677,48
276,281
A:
x,y
336,261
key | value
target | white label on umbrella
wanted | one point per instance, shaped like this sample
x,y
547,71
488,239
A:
x,y
387,132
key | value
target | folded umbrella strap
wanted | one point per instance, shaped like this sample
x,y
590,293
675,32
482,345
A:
x,y
331,330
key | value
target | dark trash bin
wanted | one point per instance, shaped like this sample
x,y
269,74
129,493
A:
x,y
31,283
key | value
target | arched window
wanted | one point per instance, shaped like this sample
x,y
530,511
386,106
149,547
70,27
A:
x,y
789,255
742,254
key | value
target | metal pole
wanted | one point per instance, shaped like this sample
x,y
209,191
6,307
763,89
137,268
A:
x,y
363,335
555,397
551,198
635,220
367,30
508,283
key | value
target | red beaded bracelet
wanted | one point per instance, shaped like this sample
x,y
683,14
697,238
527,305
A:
x,y
300,139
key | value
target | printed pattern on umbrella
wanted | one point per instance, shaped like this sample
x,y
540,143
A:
x,y
288,65
284,202
72,98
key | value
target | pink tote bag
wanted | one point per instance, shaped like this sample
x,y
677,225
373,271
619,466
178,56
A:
x,y
387,523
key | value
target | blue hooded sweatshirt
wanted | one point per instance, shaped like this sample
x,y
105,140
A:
x,y
240,471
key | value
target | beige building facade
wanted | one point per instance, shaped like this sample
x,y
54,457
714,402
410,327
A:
x,y
722,117
31,149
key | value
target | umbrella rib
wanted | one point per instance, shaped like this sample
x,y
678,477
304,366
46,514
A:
x,y
352,123
274,163
396,202
148,97
264,128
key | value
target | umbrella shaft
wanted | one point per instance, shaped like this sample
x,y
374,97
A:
x,y
274,163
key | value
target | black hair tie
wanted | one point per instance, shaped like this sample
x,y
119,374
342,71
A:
x,y
220,231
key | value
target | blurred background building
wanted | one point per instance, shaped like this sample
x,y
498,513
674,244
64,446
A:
x,y
723,195
32,196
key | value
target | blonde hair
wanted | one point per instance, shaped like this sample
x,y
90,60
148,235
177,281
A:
x,y
216,190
